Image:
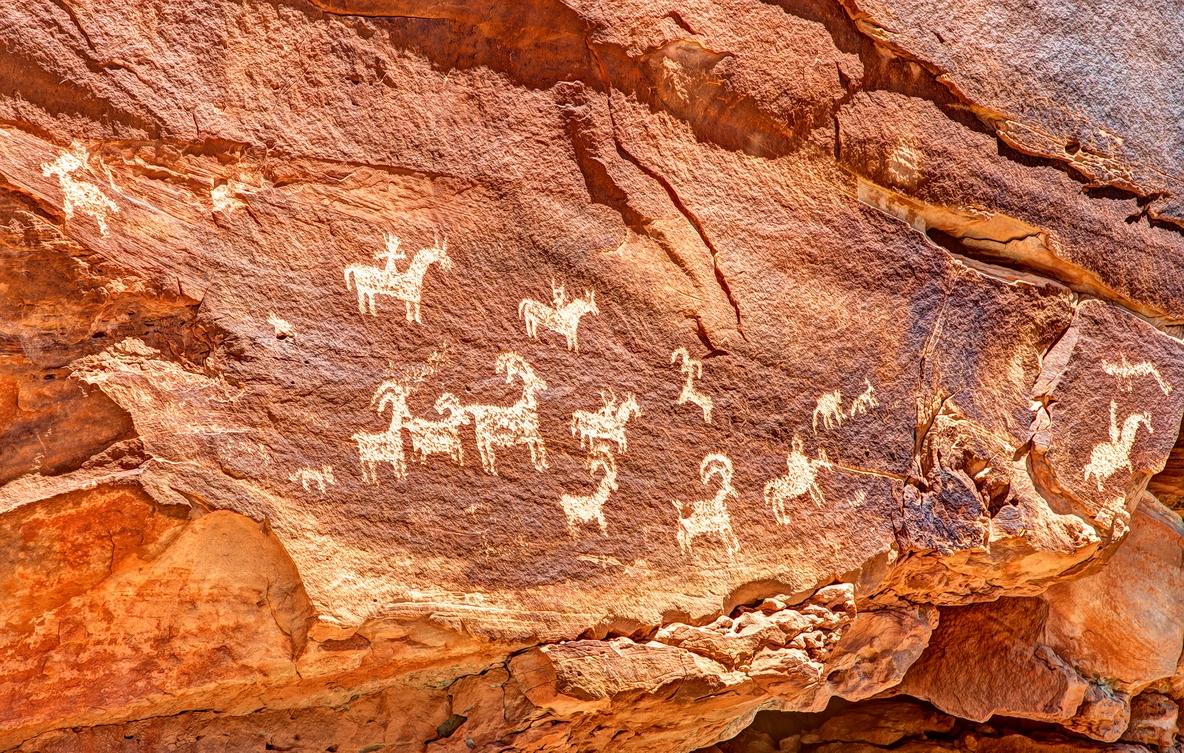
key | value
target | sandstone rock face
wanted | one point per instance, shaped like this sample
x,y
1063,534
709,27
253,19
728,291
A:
x,y
561,376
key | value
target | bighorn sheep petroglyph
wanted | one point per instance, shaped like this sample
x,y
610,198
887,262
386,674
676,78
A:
x,y
693,369
709,516
586,508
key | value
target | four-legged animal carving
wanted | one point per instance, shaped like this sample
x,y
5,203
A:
x,y
798,480
310,476
78,195
563,318
587,508
439,437
405,286
709,516
506,426
694,370
1108,457
607,424
386,447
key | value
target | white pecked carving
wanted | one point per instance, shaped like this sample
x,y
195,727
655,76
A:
x,y
799,480
1126,371
406,286
311,476
709,516
830,407
387,446
587,508
563,317
439,437
79,195
608,423
693,369
506,426
1108,457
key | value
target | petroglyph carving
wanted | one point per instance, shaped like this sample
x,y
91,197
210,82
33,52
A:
x,y
693,369
80,196
590,507
1126,371
283,328
506,426
608,423
830,407
406,286
439,437
563,317
709,516
1108,457
385,447
310,476
799,480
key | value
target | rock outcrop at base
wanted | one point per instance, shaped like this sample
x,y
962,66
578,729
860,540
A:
x,y
539,376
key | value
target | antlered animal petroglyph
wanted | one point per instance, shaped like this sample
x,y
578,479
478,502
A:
x,y
79,195
1108,457
693,369
799,480
1126,371
406,286
608,423
830,407
387,446
439,437
506,426
310,476
581,509
709,516
563,317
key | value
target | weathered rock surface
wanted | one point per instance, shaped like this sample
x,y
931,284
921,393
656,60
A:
x,y
564,376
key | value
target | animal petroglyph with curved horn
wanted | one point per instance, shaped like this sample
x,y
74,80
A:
x,y
439,437
506,426
693,369
709,516
587,508
387,446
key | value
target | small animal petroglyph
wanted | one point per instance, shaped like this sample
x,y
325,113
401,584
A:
x,y
439,437
830,407
581,509
1126,371
799,480
693,369
79,195
283,328
386,447
563,317
1108,457
309,476
709,516
506,426
406,286
608,423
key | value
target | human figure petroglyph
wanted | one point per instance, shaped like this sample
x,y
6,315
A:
x,y
1126,371
799,480
1108,457
439,437
79,195
693,369
709,516
387,446
563,317
586,508
506,426
406,286
608,423
830,407
310,476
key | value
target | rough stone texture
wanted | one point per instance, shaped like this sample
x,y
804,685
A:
x,y
566,376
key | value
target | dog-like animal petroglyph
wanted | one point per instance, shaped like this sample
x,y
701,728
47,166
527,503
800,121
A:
x,y
562,317
308,477
439,437
79,196
406,286
709,516
829,407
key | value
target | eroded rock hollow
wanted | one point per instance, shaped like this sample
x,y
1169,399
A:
x,y
548,375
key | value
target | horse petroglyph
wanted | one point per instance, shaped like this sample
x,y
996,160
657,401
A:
x,y
799,480
830,407
1108,457
386,447
581,509
310,476
439,437
709,516
608,423
79,195
693,369
406,286
563,317
1126,371
506,426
